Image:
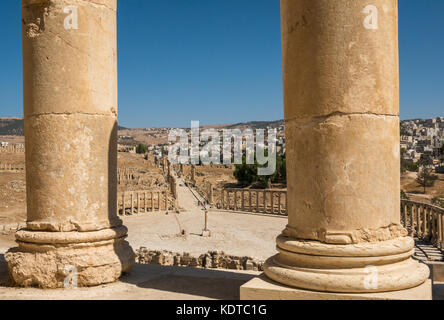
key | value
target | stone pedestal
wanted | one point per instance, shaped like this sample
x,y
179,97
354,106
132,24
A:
x,y
70,109
340,61
262,288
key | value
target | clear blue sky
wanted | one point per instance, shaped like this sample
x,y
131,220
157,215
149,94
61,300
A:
x,y
219,61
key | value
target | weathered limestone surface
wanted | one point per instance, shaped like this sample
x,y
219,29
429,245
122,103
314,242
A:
x,y
70,108
342,129
333,64
346,186
262,288
211,259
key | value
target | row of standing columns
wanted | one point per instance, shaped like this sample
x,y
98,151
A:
x,y
142,201
124,177
15,148
11,167
424,221
259,201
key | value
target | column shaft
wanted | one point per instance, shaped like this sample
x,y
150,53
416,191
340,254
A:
x,y
70,112
341,110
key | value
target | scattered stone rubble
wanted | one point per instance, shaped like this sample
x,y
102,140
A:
x,y
209,260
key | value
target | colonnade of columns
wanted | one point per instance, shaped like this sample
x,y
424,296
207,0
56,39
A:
x,y
424,221
11,167
142,201
12,148
259,201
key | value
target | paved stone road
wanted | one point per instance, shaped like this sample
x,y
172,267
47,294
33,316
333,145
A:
x,y
427,252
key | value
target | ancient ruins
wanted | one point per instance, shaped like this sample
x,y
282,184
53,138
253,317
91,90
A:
x,y
346,220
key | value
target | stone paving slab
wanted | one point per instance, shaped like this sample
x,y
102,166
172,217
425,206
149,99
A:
x,y
146,282
234,233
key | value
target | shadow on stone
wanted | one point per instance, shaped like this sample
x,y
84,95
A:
x,y
122,249
438,291
208,283
4,274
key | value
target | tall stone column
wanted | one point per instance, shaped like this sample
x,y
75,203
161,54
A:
x,y
340,62
70,110
193,174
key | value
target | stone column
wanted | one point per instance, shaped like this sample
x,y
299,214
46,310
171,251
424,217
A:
x,y
211,194
193,174
70,110
340,61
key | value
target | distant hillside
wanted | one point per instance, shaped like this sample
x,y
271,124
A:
x,y
11,127
256,125
14,127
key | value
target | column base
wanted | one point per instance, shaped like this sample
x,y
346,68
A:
x,y
67,259
262,288
355,268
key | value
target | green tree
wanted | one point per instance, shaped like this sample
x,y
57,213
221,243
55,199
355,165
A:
x,y
403,166
402,130
244,173
247,174
426,178
281,169
425,160
141,149
404,195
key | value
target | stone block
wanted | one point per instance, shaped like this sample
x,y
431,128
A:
x,y
262,288
437,271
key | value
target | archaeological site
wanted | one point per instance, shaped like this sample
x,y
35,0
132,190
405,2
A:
x,y
93,210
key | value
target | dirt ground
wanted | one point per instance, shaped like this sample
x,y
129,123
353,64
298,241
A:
x,y
416,192
12,139
12,187
13,184
146,137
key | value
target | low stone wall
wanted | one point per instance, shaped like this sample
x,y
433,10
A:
x,y
209,260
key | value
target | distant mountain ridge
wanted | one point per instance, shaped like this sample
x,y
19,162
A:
x,y
15,127
11,127
256,125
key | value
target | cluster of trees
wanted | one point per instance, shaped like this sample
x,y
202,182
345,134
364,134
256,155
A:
x,y
247,174
404,195
141,149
